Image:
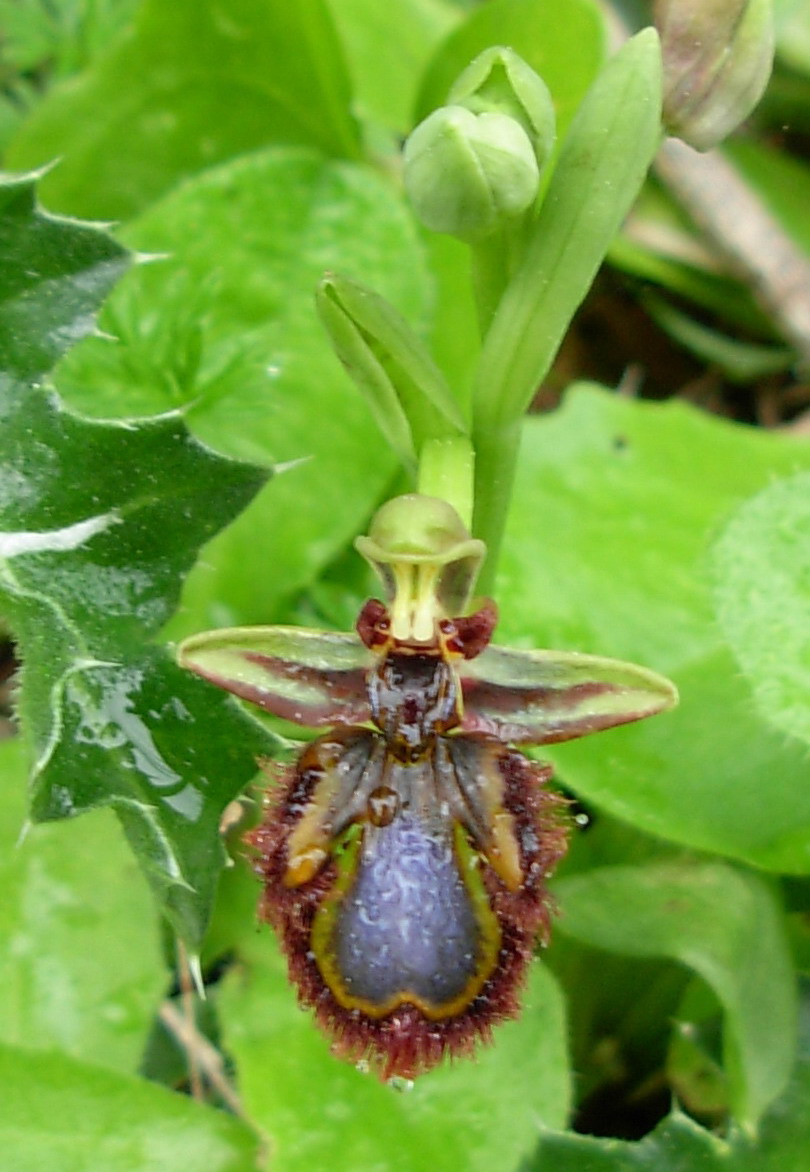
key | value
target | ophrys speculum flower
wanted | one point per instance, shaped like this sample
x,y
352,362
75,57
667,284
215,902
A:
x,y
405,854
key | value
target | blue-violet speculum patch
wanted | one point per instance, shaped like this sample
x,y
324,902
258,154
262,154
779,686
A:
x,y
406,852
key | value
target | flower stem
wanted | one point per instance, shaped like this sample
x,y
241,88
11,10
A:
x,y
446,468
496,453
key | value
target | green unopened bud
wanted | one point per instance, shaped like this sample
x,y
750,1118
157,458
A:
x,y
426,559
717,60
469,174
498,81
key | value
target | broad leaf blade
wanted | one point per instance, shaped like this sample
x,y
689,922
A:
x,y
538,697
200,88
760,564
239,346
310,677
616,506
72,894
70,1115
722,923
98,524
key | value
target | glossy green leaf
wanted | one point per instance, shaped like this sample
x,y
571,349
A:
x,y
199,88
65,1114
72,894
725,925
615,509
227,329
387,48
98,523
54,275
562,40
482,1114
678,1144
761,565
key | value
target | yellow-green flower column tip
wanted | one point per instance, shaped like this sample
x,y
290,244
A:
x,y
427,561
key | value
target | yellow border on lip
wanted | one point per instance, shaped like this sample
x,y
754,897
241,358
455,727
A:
x,y
325,922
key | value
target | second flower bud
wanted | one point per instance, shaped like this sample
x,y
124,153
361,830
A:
x,y
466,173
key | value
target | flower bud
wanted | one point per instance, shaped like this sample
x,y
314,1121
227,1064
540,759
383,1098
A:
x,y
498,81
717,60
469,174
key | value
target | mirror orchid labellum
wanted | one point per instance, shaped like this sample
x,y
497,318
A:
x,y
405,853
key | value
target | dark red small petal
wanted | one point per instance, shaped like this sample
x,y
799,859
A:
x,y
373,624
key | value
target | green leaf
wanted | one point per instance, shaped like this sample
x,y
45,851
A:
x,y
70,896
722,923
679,1145
387,48
98,523
482,1115
61,37
235,341
54,275
740,362
616,506
60,1113
562,40
761,566
199,88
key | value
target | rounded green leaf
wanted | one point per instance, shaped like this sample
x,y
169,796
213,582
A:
x,y
616,507
387,48
761,566
71,895
725,925
59,1113
186,88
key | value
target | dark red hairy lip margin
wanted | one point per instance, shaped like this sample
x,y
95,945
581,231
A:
x,y
406,1043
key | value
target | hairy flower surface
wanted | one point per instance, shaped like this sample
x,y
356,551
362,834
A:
x,y
405,854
